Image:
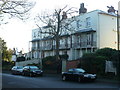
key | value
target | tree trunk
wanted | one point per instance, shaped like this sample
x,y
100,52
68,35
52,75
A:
x,y
57,48
57,38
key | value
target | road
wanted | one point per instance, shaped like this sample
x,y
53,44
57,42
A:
x,y
48,81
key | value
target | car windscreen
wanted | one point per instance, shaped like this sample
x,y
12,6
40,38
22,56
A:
x,y
34,68
80,70
20,67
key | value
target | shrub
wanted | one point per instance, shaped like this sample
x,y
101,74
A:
x,y
92,63
95,62
20,59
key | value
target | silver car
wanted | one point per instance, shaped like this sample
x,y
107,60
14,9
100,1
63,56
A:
x,y
17,69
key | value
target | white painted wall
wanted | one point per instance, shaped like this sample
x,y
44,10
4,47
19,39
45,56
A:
x,y
107,31
105,35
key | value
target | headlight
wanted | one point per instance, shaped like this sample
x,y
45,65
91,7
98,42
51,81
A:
x,y
62,72
86,75
34,71
41,71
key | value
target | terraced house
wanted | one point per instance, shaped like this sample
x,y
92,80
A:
x,y
92,30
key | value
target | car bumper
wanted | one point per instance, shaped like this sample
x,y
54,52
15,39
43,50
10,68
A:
x,y
90,78
37,74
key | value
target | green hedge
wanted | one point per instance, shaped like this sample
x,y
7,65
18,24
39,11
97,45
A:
x,y
50,62
95,62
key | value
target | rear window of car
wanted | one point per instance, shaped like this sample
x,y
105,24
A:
x,y
80,70
20,67
34,68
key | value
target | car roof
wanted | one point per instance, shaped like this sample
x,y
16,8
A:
x,y
76,68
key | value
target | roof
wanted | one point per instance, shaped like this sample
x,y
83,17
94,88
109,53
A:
x,y
34,40
47,38
110,14
84,31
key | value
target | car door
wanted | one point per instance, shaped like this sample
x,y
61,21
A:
x,y
75,74
70,74
14,69
26,70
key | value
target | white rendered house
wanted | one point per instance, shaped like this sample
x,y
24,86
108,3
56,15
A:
x,y
92,30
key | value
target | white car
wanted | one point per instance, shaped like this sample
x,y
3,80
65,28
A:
x,y
17,69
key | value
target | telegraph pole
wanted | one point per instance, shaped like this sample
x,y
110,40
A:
x,y
118,37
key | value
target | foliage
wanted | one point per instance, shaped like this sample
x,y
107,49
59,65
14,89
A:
x,y
109,53
50,62
22,58
95,62
65,56
7,65
6,54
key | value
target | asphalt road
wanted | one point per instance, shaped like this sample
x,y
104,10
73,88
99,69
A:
x,y
48,81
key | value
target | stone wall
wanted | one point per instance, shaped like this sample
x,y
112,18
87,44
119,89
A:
x,y
23,63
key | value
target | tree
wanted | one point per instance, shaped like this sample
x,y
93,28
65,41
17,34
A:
x,y
15,8
6,54
56,24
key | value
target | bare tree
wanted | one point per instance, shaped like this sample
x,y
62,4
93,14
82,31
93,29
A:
x,y
15,8
57,23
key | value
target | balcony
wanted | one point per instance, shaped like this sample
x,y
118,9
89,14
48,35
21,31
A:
x,y
36,48
77,45
84,45
64,46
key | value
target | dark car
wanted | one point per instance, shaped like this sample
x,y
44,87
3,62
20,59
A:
x,y
32,71
78,74
17,69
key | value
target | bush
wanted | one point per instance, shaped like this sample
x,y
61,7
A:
x,y
92,63
7,65
20,59
95,62
49,63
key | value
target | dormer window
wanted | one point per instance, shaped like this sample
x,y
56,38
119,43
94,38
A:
x,y
88,22
79,24
34,35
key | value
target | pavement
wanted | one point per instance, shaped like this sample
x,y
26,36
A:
x,y
102,80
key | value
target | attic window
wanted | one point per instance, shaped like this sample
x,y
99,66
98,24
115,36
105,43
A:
x,y
88,22
34,34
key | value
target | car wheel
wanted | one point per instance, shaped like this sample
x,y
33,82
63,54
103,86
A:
x,y
23,74
30,75
79,79
41,75
64,78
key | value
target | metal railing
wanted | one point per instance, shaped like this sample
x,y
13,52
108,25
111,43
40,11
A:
x,y
84,44
67,46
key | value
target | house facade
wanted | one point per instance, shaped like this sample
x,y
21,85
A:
x,y
92,30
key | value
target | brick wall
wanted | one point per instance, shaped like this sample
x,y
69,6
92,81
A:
x,y
72,64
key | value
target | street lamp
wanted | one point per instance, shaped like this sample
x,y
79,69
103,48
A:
x,y
118,31
118,40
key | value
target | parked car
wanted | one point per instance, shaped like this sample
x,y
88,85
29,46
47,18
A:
x,y
32,71
17,69
78,74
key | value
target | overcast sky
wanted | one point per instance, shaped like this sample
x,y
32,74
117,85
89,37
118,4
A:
x,y
17,34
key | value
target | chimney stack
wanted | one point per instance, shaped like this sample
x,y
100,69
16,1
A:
x,y
111,9
82,9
